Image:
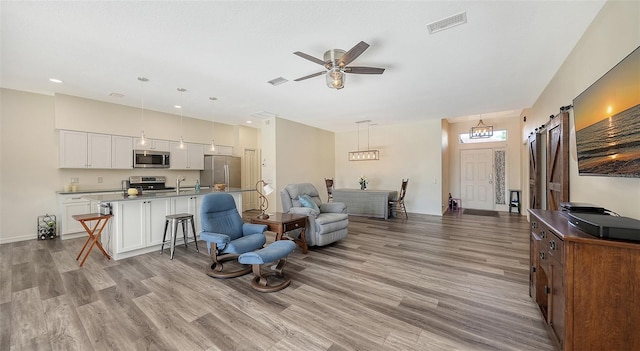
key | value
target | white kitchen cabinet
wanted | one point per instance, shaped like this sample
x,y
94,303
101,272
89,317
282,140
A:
x,y
73,205
151,144
191,157
139,224
188,204
121,152
84,150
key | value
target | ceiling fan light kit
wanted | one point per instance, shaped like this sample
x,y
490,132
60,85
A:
x,y
335,78
335,64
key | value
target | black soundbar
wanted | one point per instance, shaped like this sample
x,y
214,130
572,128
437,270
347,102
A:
x,y
605,226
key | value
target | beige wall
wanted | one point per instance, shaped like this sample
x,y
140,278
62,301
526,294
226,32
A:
x,y
304,155
29,170
614,34
411,151
512,147
29,163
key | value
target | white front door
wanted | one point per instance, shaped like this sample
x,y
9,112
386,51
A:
x,y
477,179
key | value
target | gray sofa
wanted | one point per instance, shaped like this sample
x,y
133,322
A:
x,y
323,228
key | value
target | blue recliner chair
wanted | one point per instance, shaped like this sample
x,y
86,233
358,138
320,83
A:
x,y
223,227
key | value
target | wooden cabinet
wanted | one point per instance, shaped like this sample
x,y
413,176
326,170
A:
x,y
121,152
84,150
586,287
191,157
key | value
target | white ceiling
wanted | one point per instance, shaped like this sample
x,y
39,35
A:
x,y
498,62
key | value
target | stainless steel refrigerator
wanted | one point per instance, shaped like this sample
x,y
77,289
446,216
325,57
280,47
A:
x,y
219,169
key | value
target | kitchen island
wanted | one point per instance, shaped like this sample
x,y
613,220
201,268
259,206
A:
x,y
137,226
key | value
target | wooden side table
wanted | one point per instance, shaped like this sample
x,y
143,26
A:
x,y
94,233
281,223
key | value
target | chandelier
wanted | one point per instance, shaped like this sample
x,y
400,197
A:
x,y
481,131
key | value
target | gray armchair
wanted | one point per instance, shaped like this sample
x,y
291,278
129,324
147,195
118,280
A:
x,y
325,226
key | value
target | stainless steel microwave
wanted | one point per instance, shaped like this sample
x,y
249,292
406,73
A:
x,y
150,159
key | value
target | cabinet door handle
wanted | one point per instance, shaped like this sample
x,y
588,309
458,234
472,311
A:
x,y
533,269
543,234
542,255
552,244
547,290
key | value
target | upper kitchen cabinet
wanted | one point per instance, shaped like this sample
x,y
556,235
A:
x,y
84,150
151,144
121,152
189,158
220,150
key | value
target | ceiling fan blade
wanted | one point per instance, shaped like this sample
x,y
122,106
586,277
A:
x,y
309,57
364,70
310,76
353,53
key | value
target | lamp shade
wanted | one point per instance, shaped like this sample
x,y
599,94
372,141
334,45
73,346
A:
x,y
335,78
268,189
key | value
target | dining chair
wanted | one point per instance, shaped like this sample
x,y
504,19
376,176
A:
x,y
329,183
398,204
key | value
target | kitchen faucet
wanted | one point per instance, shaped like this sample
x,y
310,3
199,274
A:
x,y
180,179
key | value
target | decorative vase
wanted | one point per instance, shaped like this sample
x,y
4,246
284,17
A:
x,y
363,186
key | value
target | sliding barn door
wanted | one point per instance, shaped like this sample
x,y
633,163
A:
x,y
535,171
558,161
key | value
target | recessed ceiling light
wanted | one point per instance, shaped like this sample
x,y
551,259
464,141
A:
x,y
249,122
177,106
118,95
55,80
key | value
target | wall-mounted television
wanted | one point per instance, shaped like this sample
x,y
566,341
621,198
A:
x,y
607,122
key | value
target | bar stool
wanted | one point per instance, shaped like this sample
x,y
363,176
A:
x,y
514,201
175,219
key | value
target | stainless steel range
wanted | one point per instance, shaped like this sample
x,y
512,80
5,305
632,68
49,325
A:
x,y
149,183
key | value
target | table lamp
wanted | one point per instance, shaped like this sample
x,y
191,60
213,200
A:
x,y
264,203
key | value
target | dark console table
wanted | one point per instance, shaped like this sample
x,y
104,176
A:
x,y
588,289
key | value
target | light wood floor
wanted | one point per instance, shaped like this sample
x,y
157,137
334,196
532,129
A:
x,y
428,283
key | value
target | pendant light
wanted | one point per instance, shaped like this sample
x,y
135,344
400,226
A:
x,y
181,145
143,140
368,155
481,131
213,143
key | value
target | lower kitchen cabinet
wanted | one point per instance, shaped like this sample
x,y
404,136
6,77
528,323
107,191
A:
x,y
190,204
586,287
73,204
138,224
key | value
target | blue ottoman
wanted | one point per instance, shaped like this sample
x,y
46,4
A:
x,y
277,251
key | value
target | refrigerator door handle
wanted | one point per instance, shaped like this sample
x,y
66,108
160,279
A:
x,y
226,175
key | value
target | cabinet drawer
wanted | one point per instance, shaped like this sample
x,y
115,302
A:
x,y
293,226
555,247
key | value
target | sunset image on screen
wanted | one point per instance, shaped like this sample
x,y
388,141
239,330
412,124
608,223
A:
x,y
607,122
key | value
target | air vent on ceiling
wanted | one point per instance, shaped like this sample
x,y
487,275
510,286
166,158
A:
x,y
446,23
277,81
263,115
118,95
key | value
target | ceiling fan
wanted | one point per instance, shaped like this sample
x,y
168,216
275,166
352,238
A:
x,y
336,61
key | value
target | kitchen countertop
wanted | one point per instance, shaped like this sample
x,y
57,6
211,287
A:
x,y
157,194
